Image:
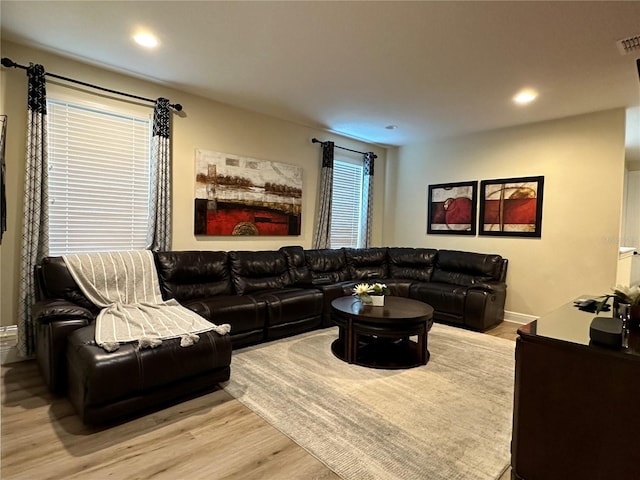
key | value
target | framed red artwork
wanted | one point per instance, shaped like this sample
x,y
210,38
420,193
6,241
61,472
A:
x,y
511,207
451,208
244,196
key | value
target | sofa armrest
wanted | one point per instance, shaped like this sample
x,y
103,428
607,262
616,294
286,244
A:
x,y
52,309
490,287
54,321
484,305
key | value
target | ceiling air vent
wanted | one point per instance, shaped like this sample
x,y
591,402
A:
x,y
629,45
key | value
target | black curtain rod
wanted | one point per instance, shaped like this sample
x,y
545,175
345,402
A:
x,y
315,140
7,62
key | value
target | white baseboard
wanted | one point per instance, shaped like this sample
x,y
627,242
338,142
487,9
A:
x,y
521,318
8,342
10,355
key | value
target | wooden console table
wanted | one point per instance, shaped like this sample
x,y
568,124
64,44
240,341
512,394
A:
x,y
576,405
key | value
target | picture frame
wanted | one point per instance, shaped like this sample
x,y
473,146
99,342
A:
x,y
243,196
452,208
511,207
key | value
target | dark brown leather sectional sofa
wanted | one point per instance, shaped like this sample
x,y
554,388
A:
x,y
263,295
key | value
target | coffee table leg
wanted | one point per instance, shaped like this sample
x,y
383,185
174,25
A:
x,y
422,348
349,341
355,341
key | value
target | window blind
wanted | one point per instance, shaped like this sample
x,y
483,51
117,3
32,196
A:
x,y
346,203
99,174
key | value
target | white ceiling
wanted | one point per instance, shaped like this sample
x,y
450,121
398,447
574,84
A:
x,y
433,68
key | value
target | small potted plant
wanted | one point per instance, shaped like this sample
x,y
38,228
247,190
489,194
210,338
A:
x,y
371,294
624,294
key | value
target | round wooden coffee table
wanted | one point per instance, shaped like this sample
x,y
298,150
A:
x,y
379,337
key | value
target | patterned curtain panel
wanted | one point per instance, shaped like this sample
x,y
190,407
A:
x,y
367,200
3,194
160,207
322,234
35,229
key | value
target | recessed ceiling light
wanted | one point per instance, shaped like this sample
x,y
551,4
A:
x,y
146,40
525,96
391,127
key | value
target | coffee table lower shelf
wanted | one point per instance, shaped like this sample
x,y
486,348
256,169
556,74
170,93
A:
x,y
375,352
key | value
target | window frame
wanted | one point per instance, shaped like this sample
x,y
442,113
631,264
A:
x,y
355,215
133,113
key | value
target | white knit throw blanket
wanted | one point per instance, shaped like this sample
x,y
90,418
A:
x,y
125,286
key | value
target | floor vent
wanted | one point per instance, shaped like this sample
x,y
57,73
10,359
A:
x,y
629,45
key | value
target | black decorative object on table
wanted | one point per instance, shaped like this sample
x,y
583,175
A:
x,y
591,305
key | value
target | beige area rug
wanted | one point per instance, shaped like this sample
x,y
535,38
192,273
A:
x,y
447,420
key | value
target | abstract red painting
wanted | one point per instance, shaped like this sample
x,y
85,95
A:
x,y
452,208
244,196
511,206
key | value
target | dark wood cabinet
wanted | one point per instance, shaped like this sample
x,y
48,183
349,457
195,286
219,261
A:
x,y
576,405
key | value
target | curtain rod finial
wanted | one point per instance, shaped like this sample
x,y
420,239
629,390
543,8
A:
x,y
177,107
7,62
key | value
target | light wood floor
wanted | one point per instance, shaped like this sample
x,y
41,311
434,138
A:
x,y
210,437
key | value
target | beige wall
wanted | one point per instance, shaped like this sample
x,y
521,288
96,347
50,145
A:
x,y
582,160
207,125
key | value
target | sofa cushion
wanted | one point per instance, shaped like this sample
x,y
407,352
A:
x,y
298,270
255,271
327,265
244,313
367,263
291,311
291,305
411,263
466,268
192,274
443,297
